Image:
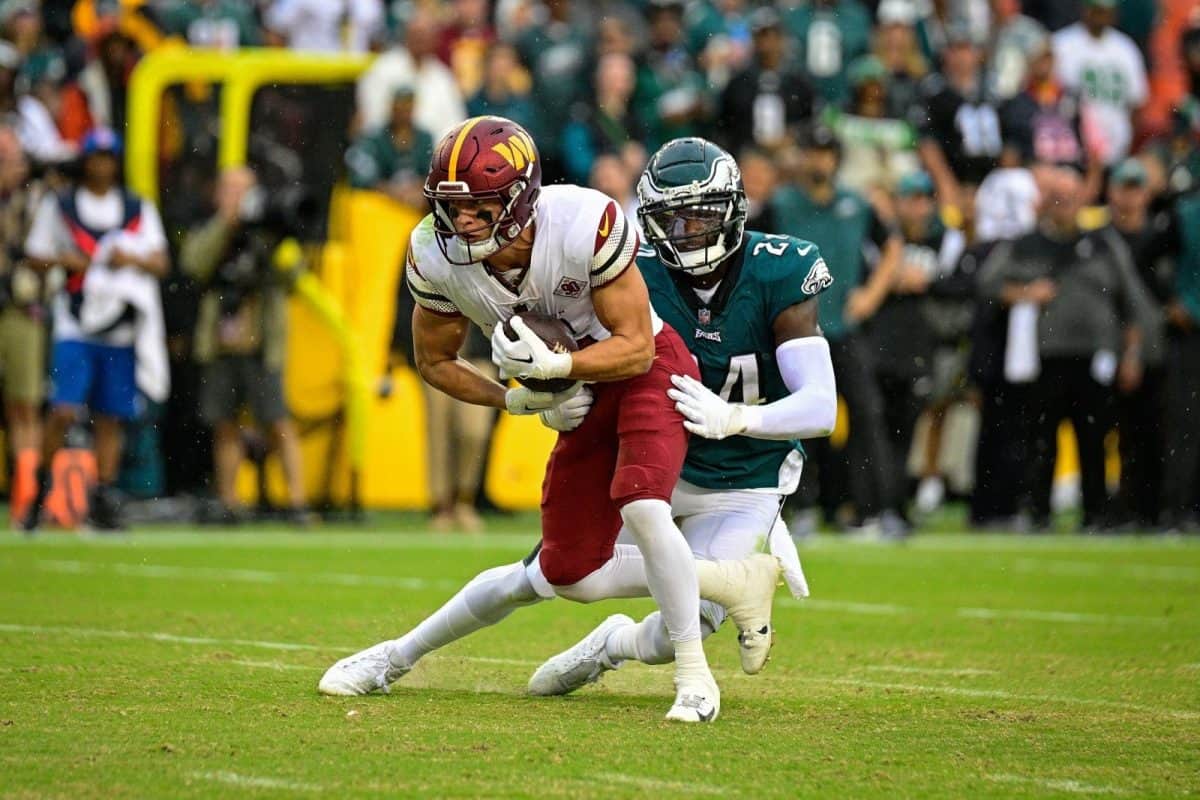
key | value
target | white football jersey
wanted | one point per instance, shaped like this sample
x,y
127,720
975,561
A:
x,y
582,241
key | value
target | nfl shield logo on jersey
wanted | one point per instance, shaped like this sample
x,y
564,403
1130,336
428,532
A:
x,y
705,316
569,287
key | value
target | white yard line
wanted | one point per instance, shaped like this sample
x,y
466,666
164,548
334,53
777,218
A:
x,y
238,575
1000,694
1071,617
1057,784
257,782
657,785
275,665
872,609
930,670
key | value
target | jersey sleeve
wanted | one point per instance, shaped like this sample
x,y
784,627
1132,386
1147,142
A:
x,y
426,293
616,246
801,275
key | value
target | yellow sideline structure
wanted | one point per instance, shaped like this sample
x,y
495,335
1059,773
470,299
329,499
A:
x,y
341,312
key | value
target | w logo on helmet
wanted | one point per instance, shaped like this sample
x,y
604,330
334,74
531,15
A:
x,y
517,151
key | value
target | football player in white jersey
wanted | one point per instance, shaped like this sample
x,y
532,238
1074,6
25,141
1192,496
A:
x,y
498,244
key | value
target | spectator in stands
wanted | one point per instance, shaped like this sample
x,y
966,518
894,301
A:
x,y
671,97
959,128
244,262
465,43
22,324
41,107
830,34
607,124
1015,38
613,176
1104,66
1088,314
505,88
216,24
862,255
324,26
98,231
878,148
760,178
1182,467
719,35
911,328
1040,123
557,55
394,159
760,103
439,102
896,45
105,80
1153,245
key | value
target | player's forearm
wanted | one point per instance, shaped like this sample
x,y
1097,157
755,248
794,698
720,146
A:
x,y
462,381
810,411
616,358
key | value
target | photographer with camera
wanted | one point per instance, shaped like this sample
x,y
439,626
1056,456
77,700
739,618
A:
x,y
245,260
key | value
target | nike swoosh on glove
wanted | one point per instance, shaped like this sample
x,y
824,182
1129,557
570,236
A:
x,y
704,413
527,356
569,414
521,401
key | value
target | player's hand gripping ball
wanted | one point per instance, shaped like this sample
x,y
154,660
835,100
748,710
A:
x,y
536,350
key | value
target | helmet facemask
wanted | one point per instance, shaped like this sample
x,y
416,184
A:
x,y
696,233
500,233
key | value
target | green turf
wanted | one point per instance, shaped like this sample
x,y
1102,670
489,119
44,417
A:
x,y
181,664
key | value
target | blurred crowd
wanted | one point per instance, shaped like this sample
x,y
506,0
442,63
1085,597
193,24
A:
x,y
1004,191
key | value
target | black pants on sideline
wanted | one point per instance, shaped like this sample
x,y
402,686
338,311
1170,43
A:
x,y
873,479
1002,453
1182,479
1141,425
904,398
1065,389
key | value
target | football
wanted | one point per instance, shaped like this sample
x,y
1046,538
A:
x,y
557,336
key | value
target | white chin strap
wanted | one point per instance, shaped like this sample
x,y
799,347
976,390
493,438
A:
x,y
702,261
477,251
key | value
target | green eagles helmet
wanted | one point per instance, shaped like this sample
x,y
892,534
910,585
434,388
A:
x,y
691,205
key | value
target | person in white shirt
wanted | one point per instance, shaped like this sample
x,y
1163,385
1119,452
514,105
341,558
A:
x,y
97,230
1105,67
440,104
326,26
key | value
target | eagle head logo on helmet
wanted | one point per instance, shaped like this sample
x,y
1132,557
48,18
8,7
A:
x,y
483,159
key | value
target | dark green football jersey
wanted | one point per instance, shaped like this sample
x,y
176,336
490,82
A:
x,y
733,342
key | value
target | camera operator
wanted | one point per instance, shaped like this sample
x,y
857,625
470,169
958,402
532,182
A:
x,y
244,259
22,323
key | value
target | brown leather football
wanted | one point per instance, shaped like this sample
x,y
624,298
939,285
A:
x,y
557,336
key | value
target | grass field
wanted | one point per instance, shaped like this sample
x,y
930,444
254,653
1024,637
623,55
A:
x,y
182,664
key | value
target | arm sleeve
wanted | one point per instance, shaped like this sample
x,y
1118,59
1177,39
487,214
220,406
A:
x,y
426,293
616,246
810,411
994,272
203,248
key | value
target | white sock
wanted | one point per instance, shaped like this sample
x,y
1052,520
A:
x,y
670,567
648,642
490,597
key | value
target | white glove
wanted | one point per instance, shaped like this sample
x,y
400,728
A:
x,y
520,400
568,415
528,356
706,414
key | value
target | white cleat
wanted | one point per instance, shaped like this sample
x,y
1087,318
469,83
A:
x,y
580,665
696,701
364,672
751,611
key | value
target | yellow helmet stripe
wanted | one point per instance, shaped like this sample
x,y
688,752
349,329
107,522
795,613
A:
x,y
458,143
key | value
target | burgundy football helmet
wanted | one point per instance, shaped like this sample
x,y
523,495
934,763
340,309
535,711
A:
x,y
484,158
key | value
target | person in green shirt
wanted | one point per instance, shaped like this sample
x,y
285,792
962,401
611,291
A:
x,y
863,255
393,159
220,24
829,35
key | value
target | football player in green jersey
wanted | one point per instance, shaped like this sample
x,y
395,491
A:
x,y
745,304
